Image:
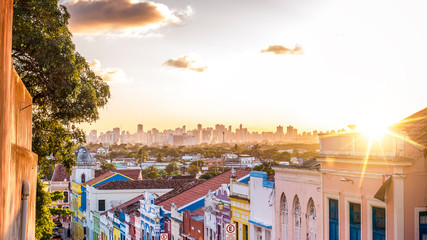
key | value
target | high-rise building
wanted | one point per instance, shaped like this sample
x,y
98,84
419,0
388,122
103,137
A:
x,y
116,135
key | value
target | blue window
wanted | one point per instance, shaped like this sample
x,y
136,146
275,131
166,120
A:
x,y
333,220
423,225
378,223
355,220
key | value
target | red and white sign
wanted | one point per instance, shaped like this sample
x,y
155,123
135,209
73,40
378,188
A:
x,y
230,231
99,236
163,236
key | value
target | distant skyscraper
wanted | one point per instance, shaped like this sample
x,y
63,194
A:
x,y
289,132
116,135
140,129
199,127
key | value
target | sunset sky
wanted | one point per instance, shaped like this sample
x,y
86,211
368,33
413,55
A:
x,y
312,64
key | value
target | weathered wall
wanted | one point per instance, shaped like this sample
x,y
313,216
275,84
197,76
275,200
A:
x,y
17,162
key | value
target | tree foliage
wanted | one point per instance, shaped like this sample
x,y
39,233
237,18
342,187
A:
x,y
150,172
172,168
43,211
193,170
108,166
65,90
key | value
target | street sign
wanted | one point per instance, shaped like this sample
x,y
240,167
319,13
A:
x,y
99,236
230,231
163,236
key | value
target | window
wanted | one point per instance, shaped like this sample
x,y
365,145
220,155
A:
x,y
65,197
355,220
378,223
83,178
333,220
311,221
101,205
423,225
297,219
284,217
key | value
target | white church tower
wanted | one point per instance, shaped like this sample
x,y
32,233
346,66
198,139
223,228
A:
x,y
85,166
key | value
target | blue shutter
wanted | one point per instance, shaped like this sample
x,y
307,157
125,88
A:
x,y
423,225
333,220
378,223
355,221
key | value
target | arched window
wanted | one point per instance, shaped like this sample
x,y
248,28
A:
x,y
65,197
284,216
311,220
83,178
297,219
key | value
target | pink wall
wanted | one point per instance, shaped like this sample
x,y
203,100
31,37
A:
x,y
306,184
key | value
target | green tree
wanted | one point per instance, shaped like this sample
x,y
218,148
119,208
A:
x,y
151,172
281,157
159,157
172,168
199,163
65,90
108,166
193,170
142,155
256,150
43,212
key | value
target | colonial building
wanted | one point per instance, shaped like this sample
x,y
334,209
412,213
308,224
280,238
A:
x,y
61,182
375,188
240,207
261,216
193,199
217,213
298,201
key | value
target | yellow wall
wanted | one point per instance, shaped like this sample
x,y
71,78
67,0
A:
x,y
240,213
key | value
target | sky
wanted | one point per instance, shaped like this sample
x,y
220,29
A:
x,y
263,63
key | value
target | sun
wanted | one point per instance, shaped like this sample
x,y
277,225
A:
x,y
374,127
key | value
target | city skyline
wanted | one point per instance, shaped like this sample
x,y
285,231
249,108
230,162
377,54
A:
x,y
315,65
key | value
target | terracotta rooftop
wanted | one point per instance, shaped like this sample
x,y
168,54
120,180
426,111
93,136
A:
x,y
415,126
135,174
99,178
200,190
144,184
60,173
178,190
128,203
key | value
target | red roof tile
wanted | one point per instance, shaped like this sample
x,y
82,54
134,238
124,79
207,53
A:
x,y
60,173
200,190
128,203
135,174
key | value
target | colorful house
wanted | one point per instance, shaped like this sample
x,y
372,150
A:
x,y
193,199
217,213
61,182
261,216
240,207
298,201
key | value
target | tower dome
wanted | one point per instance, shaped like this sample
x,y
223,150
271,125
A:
x,y
84,157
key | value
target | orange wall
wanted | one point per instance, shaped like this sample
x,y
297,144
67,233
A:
x,y
17,162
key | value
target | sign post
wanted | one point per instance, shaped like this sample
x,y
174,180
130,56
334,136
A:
x,y
163,236
230,231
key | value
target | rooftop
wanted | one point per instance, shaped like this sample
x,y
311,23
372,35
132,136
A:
x,y
60,173
200,190
415,126
144,184
135,174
